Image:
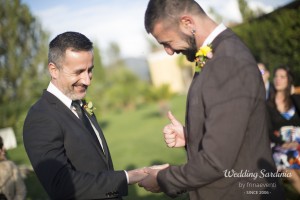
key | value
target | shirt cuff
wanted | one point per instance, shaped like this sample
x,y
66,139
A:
x,y
127,176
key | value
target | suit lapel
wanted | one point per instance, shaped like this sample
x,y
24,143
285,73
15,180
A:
x,y
199,77
101,135
62,108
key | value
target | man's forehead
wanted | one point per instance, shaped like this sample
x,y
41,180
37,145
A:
x,y
162,32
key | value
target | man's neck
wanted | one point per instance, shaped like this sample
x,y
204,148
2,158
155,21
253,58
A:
x,y
213,34
53,89
204,28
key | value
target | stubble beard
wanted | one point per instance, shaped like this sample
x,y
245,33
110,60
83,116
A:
x,y
190,52
72,94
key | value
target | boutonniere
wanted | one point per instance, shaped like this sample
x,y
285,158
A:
x,y
89,107
204,53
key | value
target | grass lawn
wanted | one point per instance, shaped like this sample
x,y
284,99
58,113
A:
x,y
135,140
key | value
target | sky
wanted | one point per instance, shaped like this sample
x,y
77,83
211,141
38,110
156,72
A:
x,y
120,21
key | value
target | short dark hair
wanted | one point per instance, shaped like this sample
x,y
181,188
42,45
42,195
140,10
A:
x,y
67,40
169,10
1,142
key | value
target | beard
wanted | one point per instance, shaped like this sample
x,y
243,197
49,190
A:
x,y
191,51
75,92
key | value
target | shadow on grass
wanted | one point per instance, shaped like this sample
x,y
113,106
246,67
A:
x,y
154,114
35,191
104,124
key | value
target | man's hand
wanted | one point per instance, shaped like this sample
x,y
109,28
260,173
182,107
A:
x,y
173,132
136,175
150,182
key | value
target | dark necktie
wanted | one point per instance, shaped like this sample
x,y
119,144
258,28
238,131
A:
x,y
81,114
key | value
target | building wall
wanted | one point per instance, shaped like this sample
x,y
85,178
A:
x,y
164,69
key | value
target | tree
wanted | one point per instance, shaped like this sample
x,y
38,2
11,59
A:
x,y
245,10
215,15
22,60
248,13
274,38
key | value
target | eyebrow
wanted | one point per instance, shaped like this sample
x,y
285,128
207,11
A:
x,y
81,69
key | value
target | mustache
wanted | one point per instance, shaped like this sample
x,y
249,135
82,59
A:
x,y
81,85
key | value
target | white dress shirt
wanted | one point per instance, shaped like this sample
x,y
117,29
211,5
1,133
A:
x,y
219,29
68,102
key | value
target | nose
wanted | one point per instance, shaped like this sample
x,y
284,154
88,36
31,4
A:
x,y
86,78
169,50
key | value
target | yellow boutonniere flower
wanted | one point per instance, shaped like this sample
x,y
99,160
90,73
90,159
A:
x,y
89,107
202,55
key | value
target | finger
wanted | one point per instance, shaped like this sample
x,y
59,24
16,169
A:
x,y
155,190
170,136
141,184
171,144
163,166
148,170
169,141
168,129
172,119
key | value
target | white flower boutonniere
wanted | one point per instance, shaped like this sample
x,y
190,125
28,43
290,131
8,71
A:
x,y
204,53
89,107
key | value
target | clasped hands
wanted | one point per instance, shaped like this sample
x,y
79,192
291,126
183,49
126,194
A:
x,y
147,177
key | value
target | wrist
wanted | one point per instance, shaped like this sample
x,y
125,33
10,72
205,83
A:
x,y
127,177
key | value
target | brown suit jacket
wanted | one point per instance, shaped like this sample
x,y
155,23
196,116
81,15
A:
x,y
226,131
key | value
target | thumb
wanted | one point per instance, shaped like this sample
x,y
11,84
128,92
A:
x,y
147,170
160,167
172,119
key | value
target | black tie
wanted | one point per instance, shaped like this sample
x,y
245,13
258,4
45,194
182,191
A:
x,y
80,112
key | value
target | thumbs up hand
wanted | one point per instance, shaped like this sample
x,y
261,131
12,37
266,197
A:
x,y
173,133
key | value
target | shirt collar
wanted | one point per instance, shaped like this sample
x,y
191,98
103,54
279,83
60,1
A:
x,y
219,29
56,92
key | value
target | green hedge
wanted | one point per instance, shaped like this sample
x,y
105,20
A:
x,y
274,38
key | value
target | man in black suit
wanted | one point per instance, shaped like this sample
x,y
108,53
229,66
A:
x,y
225,134
63,140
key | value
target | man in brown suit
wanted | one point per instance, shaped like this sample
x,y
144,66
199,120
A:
x,y
225,133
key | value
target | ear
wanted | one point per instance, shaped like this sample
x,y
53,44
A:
x,y
53,70
187,23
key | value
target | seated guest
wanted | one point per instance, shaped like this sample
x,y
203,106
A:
x,y
284,110
12,186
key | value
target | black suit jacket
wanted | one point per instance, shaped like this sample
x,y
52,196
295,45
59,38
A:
x,y
67,159
226,131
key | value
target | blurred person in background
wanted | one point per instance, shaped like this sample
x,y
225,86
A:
x,y
266,78
12,186
284,111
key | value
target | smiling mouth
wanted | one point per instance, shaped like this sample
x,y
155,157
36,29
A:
x,y
81,87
